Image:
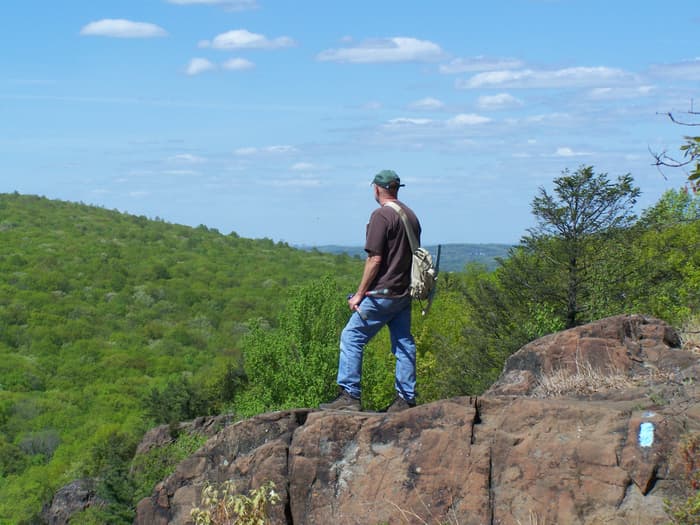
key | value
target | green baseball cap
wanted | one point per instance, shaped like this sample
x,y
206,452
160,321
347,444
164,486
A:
x,y
386,179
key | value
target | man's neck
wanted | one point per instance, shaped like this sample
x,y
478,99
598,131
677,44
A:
x,y
383,199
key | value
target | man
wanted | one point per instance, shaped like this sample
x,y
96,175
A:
x,y
382,298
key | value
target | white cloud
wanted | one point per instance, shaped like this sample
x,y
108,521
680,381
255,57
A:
x,y
479,63
403,121
568,152
230,5
372,105
182,173
303,166
427,103
136,173
120,28
294,183
686,70
243,152
267,150
494,78
244,39
280,149
467,119
548,117
396,49
529,78
187,158
609,93
199,65
238,64
500,101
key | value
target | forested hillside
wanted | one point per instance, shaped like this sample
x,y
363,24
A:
x,y
111,323
454,257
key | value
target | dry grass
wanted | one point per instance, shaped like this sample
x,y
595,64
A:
x,y
409,516
534,520
585,381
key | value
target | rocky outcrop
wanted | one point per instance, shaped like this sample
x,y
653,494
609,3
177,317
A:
x,y
617,353
584,427
166,434
82,493
71,499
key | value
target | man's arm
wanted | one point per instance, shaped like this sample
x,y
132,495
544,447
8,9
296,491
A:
x,y
371,270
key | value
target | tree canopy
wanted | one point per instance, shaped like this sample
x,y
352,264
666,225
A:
x,y
111,323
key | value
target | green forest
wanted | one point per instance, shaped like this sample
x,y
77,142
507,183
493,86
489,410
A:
x,y
111,324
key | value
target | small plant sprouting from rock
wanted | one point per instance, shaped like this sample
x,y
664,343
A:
x,y
221,505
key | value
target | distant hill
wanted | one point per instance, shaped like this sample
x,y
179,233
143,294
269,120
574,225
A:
x,y
453,257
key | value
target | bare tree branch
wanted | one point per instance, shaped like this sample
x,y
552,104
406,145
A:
x,y
680,122
664,159
690,150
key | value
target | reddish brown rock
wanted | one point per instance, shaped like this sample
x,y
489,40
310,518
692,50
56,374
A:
x,y
374,468
632,346
602,453
249,453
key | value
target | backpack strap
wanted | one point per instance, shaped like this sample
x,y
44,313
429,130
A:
x,y
413,241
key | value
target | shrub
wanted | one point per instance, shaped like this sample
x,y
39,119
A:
x,y
295,364
157,464
222,506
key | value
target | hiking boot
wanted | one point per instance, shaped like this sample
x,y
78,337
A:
x,y
400,404
344,401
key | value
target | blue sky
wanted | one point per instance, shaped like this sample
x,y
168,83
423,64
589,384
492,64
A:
x,y
269,117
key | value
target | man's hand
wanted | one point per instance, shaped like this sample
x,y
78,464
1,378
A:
x,y
371,270
354,301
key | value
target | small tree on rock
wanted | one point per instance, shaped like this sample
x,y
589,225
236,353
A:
x,y
583,208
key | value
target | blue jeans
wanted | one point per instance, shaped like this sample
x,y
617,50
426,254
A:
x,y
396,314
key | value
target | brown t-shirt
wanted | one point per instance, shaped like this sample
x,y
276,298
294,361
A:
x,y
386,237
